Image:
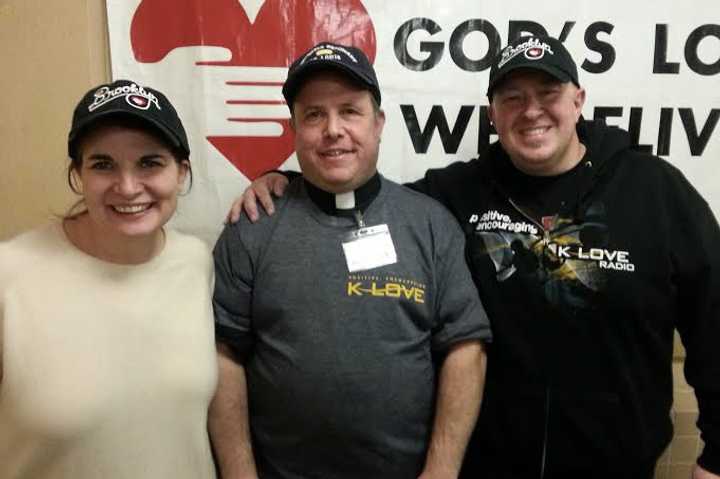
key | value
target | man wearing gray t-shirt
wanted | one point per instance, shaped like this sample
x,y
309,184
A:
x,y
349,330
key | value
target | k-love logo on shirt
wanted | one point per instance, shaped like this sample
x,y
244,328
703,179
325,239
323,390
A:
x,y
268,37
383,286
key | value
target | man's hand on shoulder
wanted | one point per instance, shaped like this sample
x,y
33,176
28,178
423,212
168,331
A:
x,y
261,189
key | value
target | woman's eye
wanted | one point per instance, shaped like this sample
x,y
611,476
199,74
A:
x,y
101,165
146,163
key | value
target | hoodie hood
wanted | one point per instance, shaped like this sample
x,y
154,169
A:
x,y
602,142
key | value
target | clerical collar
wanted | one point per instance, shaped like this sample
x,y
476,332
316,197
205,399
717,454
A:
x,y
345,204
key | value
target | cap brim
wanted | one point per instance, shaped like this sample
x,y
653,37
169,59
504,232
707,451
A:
x,y
549,69
83,126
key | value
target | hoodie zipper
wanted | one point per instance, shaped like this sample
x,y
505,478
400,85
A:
x,y
545,233
546,242
543,460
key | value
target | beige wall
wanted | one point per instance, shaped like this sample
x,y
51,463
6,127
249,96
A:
x,y
52,52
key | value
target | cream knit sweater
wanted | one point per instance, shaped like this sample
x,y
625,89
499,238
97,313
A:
x,y
107,369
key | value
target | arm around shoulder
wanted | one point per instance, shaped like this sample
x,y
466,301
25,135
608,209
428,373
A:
x,y
262,190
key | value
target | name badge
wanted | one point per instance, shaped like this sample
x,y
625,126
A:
x,y
368,248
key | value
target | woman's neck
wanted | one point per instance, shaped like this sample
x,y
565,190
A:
x,y
96,241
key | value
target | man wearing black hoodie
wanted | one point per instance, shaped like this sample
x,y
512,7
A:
x,y
587,255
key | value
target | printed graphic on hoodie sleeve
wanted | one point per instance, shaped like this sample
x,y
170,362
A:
x,y
567,257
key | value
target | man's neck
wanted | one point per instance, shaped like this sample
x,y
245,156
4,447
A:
x,y
347,202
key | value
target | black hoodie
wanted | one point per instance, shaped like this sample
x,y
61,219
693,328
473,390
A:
x,y
584,294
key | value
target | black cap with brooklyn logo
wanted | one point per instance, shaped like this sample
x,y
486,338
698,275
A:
x,y
129,99
542,53
330,56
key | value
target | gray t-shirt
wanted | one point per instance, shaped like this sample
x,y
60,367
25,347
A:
x,y
341,378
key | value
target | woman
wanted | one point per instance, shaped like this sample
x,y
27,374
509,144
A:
x,y
107,359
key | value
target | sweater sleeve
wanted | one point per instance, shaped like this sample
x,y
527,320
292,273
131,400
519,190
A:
x,y
697,266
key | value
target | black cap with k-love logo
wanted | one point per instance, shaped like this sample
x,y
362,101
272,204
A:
x,y
330,56
127,98
535,52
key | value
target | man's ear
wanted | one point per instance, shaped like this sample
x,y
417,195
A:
x,y
579,101
379,122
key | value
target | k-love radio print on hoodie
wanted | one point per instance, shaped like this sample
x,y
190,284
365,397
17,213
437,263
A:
x,y
567,256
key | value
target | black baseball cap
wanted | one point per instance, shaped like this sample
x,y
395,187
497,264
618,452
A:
x,y
330,56
127,98
542,53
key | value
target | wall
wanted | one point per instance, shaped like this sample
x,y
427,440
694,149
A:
x,y
52,52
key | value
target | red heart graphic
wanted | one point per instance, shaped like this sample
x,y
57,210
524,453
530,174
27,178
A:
x,y
283,29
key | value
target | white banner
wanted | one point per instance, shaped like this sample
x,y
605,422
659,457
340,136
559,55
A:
x,y
651,67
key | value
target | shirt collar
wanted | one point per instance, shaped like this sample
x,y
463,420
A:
x,y
345,204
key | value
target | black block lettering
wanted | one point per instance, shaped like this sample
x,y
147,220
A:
x,y
458,38
567,28
634,129
691,50
698,142
660,63
433,49
605,112
665,131
606,51
485,129
436,121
